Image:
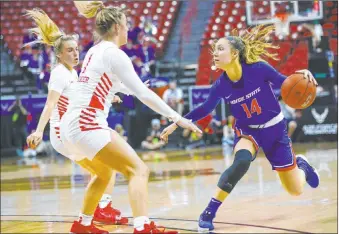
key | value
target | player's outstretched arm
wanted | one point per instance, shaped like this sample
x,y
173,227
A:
x,y
121,65
199,112
126,91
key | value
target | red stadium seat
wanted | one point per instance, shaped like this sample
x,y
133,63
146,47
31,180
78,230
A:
x,y
66,16
334,45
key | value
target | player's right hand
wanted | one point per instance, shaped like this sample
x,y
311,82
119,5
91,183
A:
x,y
187,123
308,75
34,139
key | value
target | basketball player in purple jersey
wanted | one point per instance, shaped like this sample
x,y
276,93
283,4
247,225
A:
x,y
246,85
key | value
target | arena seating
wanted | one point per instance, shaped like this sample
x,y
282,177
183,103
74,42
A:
x,y
66,16
228,15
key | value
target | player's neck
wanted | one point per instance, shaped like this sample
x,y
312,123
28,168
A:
x,y
113,39
234,70
67,66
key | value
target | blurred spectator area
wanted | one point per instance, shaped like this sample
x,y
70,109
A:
x,y
228,15
14,25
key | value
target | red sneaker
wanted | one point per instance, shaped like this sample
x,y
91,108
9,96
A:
x,y
77,227
152,228
109,215
109,207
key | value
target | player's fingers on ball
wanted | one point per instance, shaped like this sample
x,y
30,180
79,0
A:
x,y
311,77
305,75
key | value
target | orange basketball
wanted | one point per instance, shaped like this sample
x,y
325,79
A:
x,y
298,92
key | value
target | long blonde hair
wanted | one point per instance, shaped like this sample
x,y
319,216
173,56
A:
x,y
105,17
47,31
252,45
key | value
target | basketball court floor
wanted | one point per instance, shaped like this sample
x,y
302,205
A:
x,y
47,198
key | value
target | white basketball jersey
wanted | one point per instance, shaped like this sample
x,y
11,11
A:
x,y
93,93
60,80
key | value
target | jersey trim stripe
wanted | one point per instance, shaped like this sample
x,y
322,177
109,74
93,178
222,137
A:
x,y
83,129
88,123
100,93
62,105
87,120
57,132
87,114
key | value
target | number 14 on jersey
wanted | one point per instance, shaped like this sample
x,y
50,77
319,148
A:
x,y
255,108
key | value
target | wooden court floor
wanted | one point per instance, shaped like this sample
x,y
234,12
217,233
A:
x,y
47,198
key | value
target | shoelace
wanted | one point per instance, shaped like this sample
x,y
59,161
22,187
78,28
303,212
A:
x,y
207,215
154,228
110,208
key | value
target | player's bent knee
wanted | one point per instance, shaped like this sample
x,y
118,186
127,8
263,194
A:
x,y
105,174
236,171
140,170
291,182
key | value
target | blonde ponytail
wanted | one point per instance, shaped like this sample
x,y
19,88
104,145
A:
x,y
252,45
47,31
89,9
256,45
105,17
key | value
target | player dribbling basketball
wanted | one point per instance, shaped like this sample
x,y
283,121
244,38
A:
x,y
246,85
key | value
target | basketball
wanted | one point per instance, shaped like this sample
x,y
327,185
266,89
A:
x,y
298,92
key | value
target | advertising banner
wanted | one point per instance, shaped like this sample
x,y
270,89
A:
x,y
318,123
34,104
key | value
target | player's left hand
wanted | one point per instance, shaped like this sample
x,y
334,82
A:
x,y
168,131
34,139
308,75
116,99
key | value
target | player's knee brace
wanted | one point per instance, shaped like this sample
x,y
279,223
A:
x,y
236,171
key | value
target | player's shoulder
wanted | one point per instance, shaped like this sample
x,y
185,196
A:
x,y
59,70
108,45
221,80
57,67
111,49
260,65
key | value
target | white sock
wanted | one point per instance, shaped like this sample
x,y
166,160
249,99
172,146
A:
x,y
140,221
86,220
105,199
